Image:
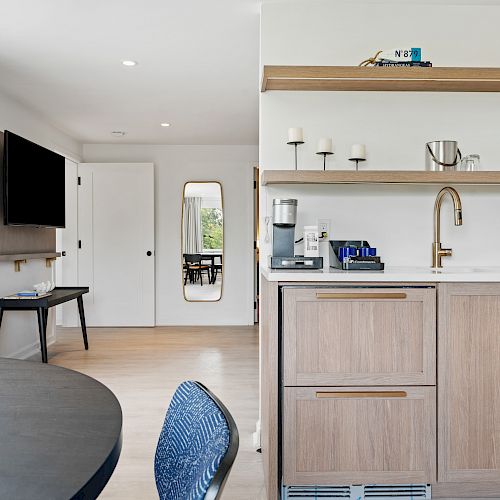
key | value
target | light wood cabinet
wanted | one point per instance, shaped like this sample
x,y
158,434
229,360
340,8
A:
x,y
359,435
469,382
269,393
350,393
359,336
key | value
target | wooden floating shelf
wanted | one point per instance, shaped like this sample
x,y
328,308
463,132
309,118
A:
x,y
22,258
270,177
395,79
29,256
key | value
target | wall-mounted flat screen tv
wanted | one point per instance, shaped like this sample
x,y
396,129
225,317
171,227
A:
x,y
33,184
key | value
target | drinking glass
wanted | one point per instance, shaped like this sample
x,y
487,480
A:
x,y
470,163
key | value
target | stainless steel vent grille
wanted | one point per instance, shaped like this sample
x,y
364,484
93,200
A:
x,y
359,492
402,491
313,492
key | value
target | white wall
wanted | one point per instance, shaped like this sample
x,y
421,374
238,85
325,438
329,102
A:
x,y
394,126
19,331
29,124
175,165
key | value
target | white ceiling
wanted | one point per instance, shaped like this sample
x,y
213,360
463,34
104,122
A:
x,y
198,67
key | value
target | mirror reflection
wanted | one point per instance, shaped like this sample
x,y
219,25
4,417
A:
x,y
202,241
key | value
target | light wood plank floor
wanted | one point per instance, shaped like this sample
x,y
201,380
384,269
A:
x,y
143,366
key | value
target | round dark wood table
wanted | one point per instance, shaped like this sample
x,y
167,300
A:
x,y
60,432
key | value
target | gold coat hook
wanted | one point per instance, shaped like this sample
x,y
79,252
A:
x,y
17,264
49,260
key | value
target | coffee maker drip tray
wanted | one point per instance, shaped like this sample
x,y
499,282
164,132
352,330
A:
x,y
298,262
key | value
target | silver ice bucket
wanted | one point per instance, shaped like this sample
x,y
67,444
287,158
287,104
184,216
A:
x,y
442,155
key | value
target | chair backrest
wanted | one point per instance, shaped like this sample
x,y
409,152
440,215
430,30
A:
x,y
197,446
192,258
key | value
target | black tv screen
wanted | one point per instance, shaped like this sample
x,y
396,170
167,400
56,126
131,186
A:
x,y
33,184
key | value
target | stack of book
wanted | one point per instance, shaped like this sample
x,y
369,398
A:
x,y
404,64
28,294
402,57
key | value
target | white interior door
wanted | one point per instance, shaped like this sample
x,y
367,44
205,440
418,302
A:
x,y
116,233
66,268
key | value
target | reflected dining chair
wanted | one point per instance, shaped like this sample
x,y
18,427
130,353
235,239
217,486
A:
x,y
194,268
216,268
197,446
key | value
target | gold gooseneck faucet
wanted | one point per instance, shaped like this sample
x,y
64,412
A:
x,y
437,251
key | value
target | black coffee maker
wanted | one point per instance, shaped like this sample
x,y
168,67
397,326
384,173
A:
x,y
283,253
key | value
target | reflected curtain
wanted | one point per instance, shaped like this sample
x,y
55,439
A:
x,y
193,233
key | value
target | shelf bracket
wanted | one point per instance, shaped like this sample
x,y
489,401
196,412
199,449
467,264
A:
x,y
49,260
17,264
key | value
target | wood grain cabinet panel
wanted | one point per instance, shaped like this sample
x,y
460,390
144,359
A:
x,y
356,336
363,434
269,389
469,382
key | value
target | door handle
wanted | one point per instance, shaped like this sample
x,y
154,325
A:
x,y
149,253
361,295
362,394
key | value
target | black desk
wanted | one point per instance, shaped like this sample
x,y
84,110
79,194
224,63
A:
x,y
61,432
58,296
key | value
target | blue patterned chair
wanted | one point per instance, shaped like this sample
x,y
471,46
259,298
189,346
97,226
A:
x,y
197,446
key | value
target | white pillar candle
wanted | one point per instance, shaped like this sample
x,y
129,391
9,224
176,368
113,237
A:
x,y
295,134
358,151
325,145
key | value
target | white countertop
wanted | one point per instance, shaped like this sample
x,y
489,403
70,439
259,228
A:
x,y
390,274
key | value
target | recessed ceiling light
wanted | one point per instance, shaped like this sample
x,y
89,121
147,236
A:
x,y
118,133
164,124
129,63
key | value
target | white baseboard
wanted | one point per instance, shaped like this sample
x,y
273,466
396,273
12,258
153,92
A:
x,y
256,436
30,350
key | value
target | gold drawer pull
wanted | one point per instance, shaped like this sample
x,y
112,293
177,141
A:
x,y
363,394
361,295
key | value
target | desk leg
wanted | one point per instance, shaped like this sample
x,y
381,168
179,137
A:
x,y
1,316
42,330
81,312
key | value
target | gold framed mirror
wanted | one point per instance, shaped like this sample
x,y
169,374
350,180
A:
x,y
202,241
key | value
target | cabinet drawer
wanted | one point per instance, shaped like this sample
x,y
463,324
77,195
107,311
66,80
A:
x,y
359,336
340,435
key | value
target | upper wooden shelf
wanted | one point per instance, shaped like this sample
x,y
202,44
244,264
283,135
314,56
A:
x,y
22,258
29,256
377,177
355,78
